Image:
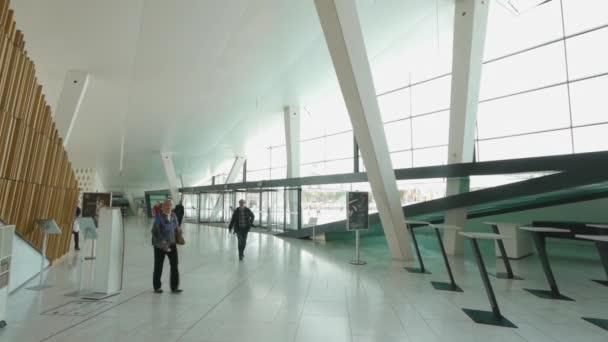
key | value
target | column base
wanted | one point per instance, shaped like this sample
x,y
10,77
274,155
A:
x,y
546,294
358,262
505,275
416,270
598,322
601,282
442,286
488,318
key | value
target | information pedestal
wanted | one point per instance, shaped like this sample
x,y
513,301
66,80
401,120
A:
x,y
109,262
48,227
87,227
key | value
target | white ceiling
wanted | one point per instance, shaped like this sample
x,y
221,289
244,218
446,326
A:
x,y
198,78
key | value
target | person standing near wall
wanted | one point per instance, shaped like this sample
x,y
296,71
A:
x,y
179,212
76,229
164,231
241,221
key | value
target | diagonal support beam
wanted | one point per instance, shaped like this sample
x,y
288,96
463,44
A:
x,y
342,30
237,166
167,160
470,21
74,89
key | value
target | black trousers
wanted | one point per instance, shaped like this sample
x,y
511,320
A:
x,y
159,260
241,236
76,240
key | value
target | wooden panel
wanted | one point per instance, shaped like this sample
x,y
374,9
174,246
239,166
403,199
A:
x,y
36,177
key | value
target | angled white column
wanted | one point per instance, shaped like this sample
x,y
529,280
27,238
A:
x,y
470,19
237,166
167,159
292,140
342,30
66,113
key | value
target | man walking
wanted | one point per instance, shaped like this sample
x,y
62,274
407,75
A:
x,y
242,220
179,212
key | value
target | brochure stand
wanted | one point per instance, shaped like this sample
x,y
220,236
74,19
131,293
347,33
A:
x,y
6,249
48,227
87,226
109,263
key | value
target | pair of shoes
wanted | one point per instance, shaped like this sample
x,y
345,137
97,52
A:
x,y
240,258
77,249
158,290
177,291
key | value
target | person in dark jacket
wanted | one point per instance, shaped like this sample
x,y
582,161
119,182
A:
x,y
241,222
164,231
179,212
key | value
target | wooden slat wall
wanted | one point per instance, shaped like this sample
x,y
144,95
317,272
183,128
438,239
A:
x,y
36,178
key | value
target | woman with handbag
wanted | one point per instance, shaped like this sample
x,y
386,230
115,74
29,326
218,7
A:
x,y
166,234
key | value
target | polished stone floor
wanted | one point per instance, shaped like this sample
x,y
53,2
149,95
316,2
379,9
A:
x,y
294,290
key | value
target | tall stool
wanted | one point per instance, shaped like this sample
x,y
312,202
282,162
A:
x,y
493,317
539,234
410,227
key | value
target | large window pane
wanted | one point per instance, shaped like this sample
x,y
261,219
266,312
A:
x,y
338,166
533,69
589,101
315,169
312,150
339,146
431,96
591,139
401,160
431,156
278,156
278,173
588,54
258,175
431,130
508,33
395,105
398,135
258,159
581,15
526,146
535,111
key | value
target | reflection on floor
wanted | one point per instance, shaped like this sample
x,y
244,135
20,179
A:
x,y
293,290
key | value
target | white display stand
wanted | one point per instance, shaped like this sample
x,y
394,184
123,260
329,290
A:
x,y
6,250
89,231
109,262
519,245
48,227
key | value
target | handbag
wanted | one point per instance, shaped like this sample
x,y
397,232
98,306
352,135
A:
x,y
179,237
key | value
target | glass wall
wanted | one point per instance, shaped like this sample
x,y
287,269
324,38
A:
x,y
543,92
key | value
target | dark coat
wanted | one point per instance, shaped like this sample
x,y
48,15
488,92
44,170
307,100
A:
x,y
179,212
234,221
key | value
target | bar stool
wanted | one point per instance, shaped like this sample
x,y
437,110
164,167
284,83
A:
x,y
443,286
493,317
602,248
538,235
410,227
503,254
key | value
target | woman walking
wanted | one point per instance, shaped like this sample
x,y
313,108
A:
x,y
164,231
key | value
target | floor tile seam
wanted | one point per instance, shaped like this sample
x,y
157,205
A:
x,y
350,327
240,284
295,336
93,316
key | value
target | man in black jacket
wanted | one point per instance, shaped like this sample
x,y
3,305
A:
x,y
179,212
242,220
